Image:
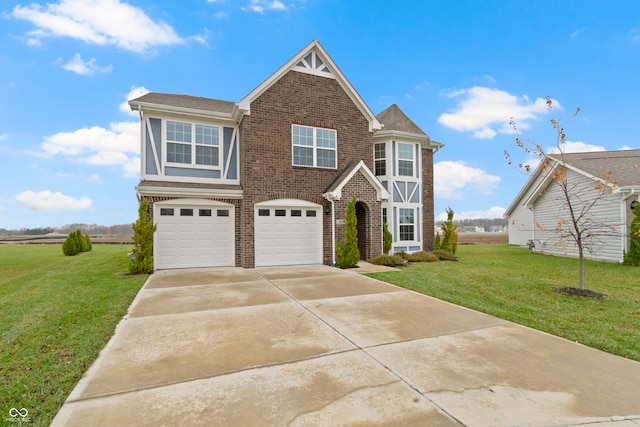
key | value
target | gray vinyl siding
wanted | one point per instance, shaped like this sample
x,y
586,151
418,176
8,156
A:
x,y
520,226
550,207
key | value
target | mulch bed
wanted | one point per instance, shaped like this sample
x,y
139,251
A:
x,y
577,292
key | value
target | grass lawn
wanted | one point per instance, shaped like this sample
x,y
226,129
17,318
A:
x,y
513,284
57,314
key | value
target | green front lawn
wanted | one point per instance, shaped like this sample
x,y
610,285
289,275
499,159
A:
x,y
516,285
57,314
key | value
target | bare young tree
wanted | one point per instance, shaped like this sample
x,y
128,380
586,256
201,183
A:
x,y
577,225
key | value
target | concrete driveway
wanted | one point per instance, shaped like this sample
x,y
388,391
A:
x,y
315,345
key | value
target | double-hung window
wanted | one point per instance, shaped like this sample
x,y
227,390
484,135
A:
x,y
314,147
380,158
407,224
405,159
193,144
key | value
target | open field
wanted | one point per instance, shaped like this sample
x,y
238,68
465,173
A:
x,y
483,238
57,314
511,283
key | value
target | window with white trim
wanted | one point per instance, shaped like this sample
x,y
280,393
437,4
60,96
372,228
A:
x,y
183,148
405,159
407,222
315,147
380,158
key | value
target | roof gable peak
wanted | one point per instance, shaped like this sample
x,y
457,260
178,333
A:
x,y
313,59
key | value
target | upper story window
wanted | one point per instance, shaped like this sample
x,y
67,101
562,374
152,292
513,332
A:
x,y
183,147
380,158
314,147
405,159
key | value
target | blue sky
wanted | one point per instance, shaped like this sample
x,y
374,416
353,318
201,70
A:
x,y
459,69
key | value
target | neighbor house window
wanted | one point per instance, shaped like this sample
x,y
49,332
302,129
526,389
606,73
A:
x,y
380,158
406,224
405,159
314,147
183,147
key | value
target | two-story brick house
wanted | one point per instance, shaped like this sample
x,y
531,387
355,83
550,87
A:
x,y
266,180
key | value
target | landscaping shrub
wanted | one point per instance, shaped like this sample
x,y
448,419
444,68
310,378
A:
x,y
70,245
633,256
347,253
422,256
143,229
76,243
387,238
445,255
388,260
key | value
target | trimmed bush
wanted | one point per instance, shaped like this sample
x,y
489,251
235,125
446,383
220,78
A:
x,y
70,246
445,255
388,260
422,256
347,253
387,239
76,243
143,229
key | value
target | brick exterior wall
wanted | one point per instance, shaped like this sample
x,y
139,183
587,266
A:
x,y
266,166
366,195
428,214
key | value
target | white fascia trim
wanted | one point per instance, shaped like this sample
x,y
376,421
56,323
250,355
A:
x,y
382,193
183,192
159,108
244,105
425,141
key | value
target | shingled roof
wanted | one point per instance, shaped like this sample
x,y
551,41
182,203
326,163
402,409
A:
x,y
393,118
186,101
623,164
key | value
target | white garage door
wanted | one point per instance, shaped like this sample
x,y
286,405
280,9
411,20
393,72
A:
x,y
194,235
288,232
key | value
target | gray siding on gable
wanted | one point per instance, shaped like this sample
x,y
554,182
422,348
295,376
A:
x,y
605,221
232,173
155,131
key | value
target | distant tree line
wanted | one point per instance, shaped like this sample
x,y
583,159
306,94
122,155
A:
x,y
480,222
92,229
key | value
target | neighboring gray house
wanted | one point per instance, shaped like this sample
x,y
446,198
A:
x,y
539,206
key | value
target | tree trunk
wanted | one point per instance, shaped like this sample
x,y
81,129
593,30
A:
x,y
581,255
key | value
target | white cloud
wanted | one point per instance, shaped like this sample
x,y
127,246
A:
x,y
486,111
117,146
260,6
575,147
47,200
3,136
85,68
101,22
493,212
134,92
452,179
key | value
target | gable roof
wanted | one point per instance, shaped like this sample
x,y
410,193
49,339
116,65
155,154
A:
x,y
624,165
393,118
596,165
184,103
395,123
313,59
334,191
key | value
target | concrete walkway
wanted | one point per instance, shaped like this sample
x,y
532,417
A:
x,y
319,346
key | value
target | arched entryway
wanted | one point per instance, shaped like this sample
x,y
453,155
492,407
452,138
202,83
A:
x,y
361,215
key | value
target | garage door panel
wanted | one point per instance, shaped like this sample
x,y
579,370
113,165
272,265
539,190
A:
x,y
288,239
198,240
